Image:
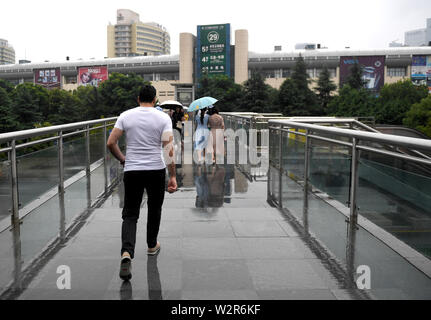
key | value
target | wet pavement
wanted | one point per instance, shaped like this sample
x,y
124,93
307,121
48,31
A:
x,y
220,239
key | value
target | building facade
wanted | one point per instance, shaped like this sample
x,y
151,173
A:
x,y
419,37
130,37
170,72
7,53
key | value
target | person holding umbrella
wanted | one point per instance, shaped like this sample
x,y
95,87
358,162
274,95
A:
x,y
202,132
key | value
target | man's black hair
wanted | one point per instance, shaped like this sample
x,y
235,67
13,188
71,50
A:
x,y
147,93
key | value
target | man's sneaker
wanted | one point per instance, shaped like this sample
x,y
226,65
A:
x,y
126,269
155,250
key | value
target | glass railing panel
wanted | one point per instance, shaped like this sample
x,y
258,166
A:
x,y
97,144
7,263
327,224
392,276
77,198
39,227
330,169
292,196
5,191
37,173
274,183
396,199
74,155
274,147
97,182
293,154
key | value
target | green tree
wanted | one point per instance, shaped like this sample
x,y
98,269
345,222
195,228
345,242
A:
x,y
224,89
355,80
352,102
29,103
90,103
7,119
419,116
256,94
396,99
9,87
120,92
295,97
64,107
273,105
325,86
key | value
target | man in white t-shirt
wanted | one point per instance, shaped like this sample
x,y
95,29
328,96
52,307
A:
x,y
147,130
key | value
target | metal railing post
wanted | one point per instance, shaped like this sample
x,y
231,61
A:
x,y
105,157
87,150
306,180
354,184
88,162
15,221
60,163
14,182
353,218
61,186
280,176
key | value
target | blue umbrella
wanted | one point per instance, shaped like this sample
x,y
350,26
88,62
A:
x,y
201,103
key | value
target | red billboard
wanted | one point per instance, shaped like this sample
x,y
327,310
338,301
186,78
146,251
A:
x,y
49,78
373,70
92,76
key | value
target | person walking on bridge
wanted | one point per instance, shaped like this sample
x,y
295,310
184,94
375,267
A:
x,y
147,130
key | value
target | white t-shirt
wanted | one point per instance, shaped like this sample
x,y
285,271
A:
x,y
144,127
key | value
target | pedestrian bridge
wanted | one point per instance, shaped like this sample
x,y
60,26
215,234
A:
x,y
333,210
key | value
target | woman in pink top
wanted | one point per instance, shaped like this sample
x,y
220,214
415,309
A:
x,y
216,124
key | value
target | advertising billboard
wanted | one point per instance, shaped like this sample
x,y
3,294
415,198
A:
x,y
92,76
373,70
213,50
48,78
421,71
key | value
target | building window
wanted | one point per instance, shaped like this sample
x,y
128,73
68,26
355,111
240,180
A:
x,y
311,73
70,79
169,76
397,72
148,77
286,73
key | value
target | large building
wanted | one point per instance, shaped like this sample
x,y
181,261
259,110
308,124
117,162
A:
x,y
131,37
7,53
419,37
175,76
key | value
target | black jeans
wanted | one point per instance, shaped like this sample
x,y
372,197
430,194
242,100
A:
x,y
134,184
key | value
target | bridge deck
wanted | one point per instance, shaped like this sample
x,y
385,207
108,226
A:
x,y
220,240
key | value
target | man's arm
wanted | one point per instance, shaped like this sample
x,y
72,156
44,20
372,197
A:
x,y
168,148
112,145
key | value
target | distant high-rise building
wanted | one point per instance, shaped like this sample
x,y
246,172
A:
x,y
7,52
395,44
419,37
307,46
131,37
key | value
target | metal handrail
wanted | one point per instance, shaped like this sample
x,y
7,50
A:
x,y
24,134
11,139
311,132
361,135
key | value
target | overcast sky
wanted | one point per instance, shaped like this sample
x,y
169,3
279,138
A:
x,y
53,29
